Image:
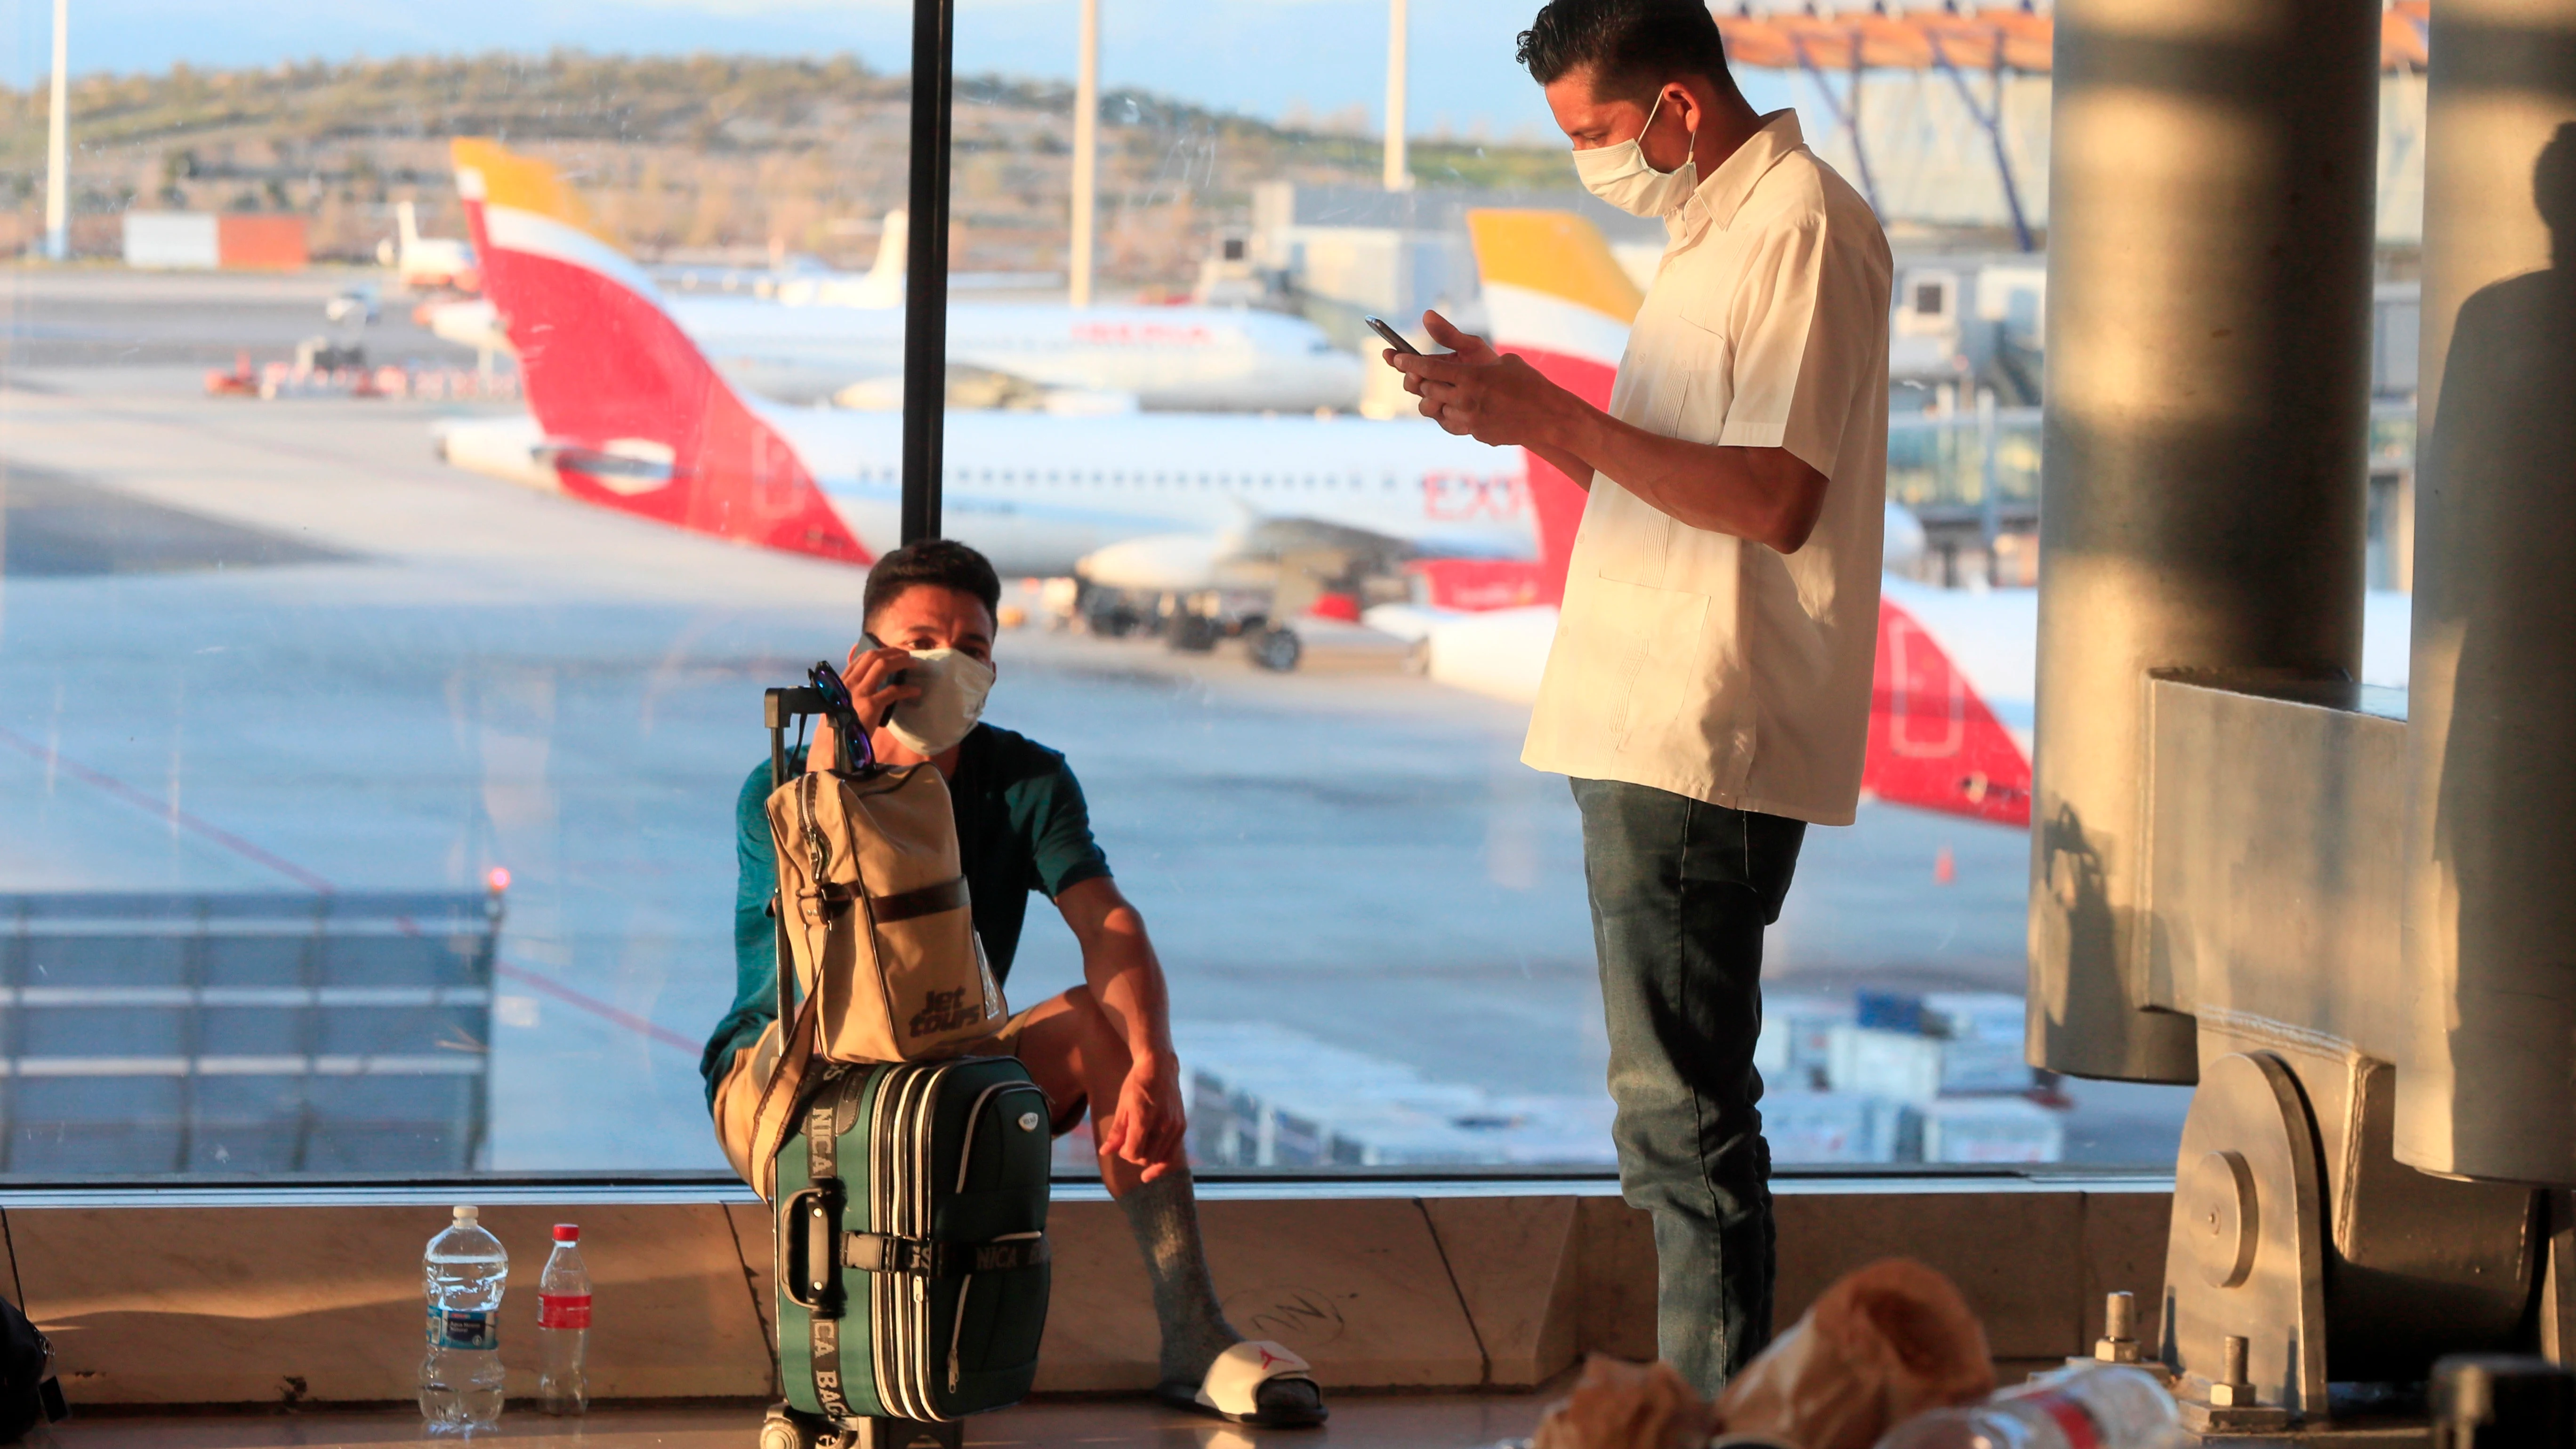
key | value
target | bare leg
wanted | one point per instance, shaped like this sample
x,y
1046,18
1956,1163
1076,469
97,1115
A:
x,y
1076,1059
1080,1062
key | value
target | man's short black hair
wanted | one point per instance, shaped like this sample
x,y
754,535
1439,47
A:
x,y
1631,47
941,561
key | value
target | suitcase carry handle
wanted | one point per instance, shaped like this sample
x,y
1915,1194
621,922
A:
x,y
808,1223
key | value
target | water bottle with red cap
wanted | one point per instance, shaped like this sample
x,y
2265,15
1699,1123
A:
x,y
563,1326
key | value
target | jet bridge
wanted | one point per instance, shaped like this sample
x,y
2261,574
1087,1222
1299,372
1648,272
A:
x,y
2345,915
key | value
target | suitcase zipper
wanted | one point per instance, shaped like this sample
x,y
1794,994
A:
x,y
924,1188
975,1119
966,1160
881,1159
910,1215
957,1327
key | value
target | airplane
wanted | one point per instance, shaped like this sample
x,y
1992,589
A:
x,y
627,412
840,337
426,263
1954,692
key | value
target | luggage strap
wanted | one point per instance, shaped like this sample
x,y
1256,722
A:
x,y
931,1258
929,900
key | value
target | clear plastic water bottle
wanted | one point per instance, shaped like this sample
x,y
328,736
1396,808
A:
x,y
463,1273
2104,1407
563,1326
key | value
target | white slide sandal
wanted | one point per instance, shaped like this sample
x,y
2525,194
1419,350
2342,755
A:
x,y
1232,1388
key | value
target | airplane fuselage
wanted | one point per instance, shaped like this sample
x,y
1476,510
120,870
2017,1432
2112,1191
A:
x,y
1176,358
1037,492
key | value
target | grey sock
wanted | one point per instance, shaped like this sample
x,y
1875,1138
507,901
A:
x,y
1164,1216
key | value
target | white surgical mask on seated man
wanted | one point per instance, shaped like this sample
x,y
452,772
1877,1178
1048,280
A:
x,y
953,686
1622,176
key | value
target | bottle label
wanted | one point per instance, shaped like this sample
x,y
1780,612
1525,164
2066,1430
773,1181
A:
x,y
2072,1418
563,1310
463,1328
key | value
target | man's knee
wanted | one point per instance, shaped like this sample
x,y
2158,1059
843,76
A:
x,y
737,1100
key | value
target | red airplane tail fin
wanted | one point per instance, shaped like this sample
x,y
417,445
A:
x,y
635,418
1558,298
1933,742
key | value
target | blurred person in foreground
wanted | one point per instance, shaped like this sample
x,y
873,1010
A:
x,y
1104,1047
1708,690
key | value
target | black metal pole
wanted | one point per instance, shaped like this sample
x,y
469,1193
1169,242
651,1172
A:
x,y
925,300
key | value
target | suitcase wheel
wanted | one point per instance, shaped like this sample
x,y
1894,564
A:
x,y
785,1428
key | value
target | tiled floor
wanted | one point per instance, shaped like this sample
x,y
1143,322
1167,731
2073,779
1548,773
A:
x,y
1374,1421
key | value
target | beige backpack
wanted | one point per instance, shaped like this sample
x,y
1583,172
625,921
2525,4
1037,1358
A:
x,y
874,898
872,908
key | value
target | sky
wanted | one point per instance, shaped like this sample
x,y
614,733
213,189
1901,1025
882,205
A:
x,y
1277,59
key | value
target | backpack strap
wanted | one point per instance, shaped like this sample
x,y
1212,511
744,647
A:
x,y
774,1118
818,842
929,900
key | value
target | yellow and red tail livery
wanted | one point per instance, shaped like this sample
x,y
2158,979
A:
x,y
634,416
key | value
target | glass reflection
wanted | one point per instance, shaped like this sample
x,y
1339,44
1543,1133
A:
x,y
381,632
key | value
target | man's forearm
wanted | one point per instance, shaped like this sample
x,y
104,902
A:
x,y
1566,463
1127,981
1767,495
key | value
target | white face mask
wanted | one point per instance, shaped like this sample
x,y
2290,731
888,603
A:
x,y
953,687
1621,176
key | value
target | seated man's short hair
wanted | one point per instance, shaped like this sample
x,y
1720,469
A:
x,y
941,561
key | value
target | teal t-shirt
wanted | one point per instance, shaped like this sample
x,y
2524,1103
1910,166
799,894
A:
x,y
1022,826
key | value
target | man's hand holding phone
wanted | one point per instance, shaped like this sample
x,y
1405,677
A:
x,y
1473,391
874,678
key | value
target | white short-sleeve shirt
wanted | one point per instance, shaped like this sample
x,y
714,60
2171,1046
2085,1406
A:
x,y
1695,661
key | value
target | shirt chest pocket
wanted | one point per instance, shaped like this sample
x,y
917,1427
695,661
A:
x,y
1686,379
1707,386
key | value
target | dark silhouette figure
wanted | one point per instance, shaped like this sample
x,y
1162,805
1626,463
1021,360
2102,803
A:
x,y
2499,508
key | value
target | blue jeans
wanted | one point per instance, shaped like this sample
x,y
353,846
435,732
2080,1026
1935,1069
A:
x,y
1681,892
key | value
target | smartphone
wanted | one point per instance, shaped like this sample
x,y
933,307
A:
x,y
900,676
1393,338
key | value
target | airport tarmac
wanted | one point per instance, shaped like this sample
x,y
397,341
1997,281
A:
x,y
278,646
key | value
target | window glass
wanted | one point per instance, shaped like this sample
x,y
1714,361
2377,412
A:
x,y
422,449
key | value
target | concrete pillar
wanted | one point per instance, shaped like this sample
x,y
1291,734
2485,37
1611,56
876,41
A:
x,y
2490,916
2203,494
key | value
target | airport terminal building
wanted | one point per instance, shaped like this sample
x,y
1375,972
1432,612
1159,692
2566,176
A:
x,y
432,476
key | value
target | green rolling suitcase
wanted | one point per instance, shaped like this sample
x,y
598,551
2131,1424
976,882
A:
x,y
910,1205
912,1255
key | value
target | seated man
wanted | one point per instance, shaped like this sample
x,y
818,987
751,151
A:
x,y
1104,1047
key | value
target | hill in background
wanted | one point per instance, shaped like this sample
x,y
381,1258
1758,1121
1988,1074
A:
x,y
705,156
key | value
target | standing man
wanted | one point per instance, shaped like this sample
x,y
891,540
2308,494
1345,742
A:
x,y
1708,691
